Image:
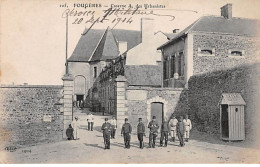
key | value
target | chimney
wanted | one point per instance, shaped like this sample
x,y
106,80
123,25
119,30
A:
x,y
175,31
147,29
226,11
122,47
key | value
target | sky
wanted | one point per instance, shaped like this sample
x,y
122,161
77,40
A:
x,y
33,32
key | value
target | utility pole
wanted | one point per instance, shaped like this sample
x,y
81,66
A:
x,y
66,64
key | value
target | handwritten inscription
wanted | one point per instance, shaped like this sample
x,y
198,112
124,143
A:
x,y
10,148
27,151
113,14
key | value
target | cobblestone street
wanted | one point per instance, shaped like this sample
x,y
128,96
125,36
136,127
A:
x,y
90,149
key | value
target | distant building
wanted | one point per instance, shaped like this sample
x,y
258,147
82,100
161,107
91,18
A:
x,y
95,49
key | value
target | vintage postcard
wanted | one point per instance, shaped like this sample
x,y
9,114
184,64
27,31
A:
x,y
129,82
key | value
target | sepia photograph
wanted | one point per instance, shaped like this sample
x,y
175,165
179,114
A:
x,y
129,82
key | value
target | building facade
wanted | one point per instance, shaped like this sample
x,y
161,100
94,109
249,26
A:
x,y
211,43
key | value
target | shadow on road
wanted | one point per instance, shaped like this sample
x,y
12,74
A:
x,y
94,145
97,128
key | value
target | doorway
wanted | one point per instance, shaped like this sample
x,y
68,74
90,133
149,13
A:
x,y
224,121
79,97
157,110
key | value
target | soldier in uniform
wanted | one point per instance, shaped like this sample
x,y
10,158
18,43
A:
x,y
164,132
126,132
140,132
106,127
180,130
153,126
173,122
188,127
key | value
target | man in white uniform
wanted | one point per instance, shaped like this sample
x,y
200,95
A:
x,y
75,126
173,122
114,127
188,127
90,119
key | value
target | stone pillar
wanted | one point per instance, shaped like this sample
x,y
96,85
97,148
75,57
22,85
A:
x,y
121,101
67,101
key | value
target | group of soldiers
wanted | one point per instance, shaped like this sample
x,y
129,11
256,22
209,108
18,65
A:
x,y
175,127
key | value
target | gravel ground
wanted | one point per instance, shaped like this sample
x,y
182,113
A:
x,y
90,149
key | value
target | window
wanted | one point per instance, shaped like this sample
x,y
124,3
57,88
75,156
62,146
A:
x,y
236,53
95,72
164,69
206,51
181,64
172,65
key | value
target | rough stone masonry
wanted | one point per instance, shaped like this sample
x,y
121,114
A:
x,y
30,114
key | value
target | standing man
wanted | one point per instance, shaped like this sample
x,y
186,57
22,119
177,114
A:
x,y
164,132
90,119
114,127
106,127
126,131
180,130
75,126
173,122
140,132
188,127
153,126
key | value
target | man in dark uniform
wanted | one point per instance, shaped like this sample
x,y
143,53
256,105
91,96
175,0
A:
x,y
180,130
106,127
126,131
153,126
164,132
140,132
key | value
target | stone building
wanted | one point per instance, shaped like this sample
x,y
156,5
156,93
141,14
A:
x,y
95,49
131,85
152,76
209,44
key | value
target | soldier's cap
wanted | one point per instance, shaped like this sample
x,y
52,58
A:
x,y
106,119
154,117
126,119
140,118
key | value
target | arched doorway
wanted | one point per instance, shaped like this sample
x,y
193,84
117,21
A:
x,y
157,106
79,87
157,110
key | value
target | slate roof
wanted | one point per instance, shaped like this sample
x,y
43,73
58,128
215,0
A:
x,y
99,44
215,24
143,75
232,99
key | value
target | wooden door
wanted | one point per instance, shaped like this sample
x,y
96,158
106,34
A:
x,y
236,123
157,110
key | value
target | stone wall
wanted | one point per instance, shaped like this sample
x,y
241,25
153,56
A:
x,y
139,102
221,45
205,92
30,114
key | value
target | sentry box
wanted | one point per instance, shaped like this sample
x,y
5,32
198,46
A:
x,y
232,114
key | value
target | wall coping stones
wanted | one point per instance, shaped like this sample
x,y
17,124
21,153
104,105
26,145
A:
x,y
120,78
32,86
156,89
68,77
